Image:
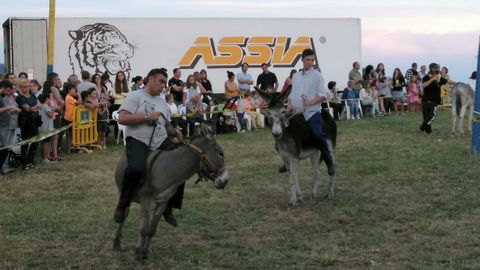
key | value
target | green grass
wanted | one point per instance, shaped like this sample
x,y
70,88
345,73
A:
x,y
402,201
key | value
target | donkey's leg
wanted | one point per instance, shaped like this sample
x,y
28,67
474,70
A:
x,y
470,116
293,179
118,234
157,214
315,161
145,203
463,110
331,178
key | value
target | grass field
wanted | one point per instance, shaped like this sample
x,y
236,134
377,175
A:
x,y
402,201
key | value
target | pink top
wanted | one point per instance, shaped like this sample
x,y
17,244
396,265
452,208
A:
x,y
52,103
412,93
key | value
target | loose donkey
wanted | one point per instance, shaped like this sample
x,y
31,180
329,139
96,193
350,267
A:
x,y
462,102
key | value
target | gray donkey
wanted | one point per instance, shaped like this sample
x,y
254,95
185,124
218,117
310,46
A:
x,y
462,100
203,156
295,141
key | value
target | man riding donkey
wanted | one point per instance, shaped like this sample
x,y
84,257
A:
x,y
145,114
308,93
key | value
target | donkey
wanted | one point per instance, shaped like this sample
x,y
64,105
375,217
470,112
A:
x,y
462,100
295,141
203,156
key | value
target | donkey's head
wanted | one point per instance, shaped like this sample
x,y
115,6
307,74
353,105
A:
x,y
212,163
275,112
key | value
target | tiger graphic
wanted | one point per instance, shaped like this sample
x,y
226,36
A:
x,y
100,48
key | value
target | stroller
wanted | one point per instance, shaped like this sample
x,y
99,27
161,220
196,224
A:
x,y
15,153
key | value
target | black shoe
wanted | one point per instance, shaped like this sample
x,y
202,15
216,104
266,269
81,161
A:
x,y
282,169
169,218
120,214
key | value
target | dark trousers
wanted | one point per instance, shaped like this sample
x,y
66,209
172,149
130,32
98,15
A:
x,y
316,125
179,121
137,153
191,123
113,108
28,129
429,112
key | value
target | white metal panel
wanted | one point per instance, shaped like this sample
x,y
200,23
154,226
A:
x,y
29,47
140,44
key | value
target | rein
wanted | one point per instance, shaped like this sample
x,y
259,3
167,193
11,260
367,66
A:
x,y
203,159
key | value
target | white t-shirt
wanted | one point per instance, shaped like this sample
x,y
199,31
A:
x,y
139,102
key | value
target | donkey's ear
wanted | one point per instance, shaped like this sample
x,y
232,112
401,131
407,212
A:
x,y
266,97
203,130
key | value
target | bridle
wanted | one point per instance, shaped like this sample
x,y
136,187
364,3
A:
x,y
203,161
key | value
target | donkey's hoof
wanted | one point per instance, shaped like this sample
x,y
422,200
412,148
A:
x,y
292,205
116,245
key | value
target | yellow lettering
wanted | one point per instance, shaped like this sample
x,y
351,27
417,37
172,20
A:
x,y
260,50
288,57
201,49
230,51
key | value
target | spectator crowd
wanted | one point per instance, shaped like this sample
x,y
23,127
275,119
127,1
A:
x,y
28,107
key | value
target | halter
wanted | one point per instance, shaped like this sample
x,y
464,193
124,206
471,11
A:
x,y
203,159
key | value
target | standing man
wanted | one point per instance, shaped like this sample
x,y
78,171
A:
x,y
267,79
244,79
410,72
176,86
431,96
308,93
85,85
355,76
145,131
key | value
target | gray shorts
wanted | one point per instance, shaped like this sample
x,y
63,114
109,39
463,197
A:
x,y
397,95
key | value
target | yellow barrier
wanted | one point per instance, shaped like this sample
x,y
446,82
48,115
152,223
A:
x,y
84,129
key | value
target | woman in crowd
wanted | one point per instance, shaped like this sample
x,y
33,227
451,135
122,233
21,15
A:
x,y
101,87
397,84
35,88
369,73
120,91
445,89
10,101
380,71
137,83
367,98
287,85
207,85
28,121
48,87
192,87
23,75
231,87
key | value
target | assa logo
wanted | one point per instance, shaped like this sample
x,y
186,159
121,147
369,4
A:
x,y
231,52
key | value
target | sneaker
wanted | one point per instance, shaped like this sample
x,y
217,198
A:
x,y
358,117
243,131
7,171
47,161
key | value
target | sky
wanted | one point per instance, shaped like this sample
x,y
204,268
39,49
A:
x,y
395,33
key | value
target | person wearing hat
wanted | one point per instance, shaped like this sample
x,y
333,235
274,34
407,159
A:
x,y
473,80
267,79
431,96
